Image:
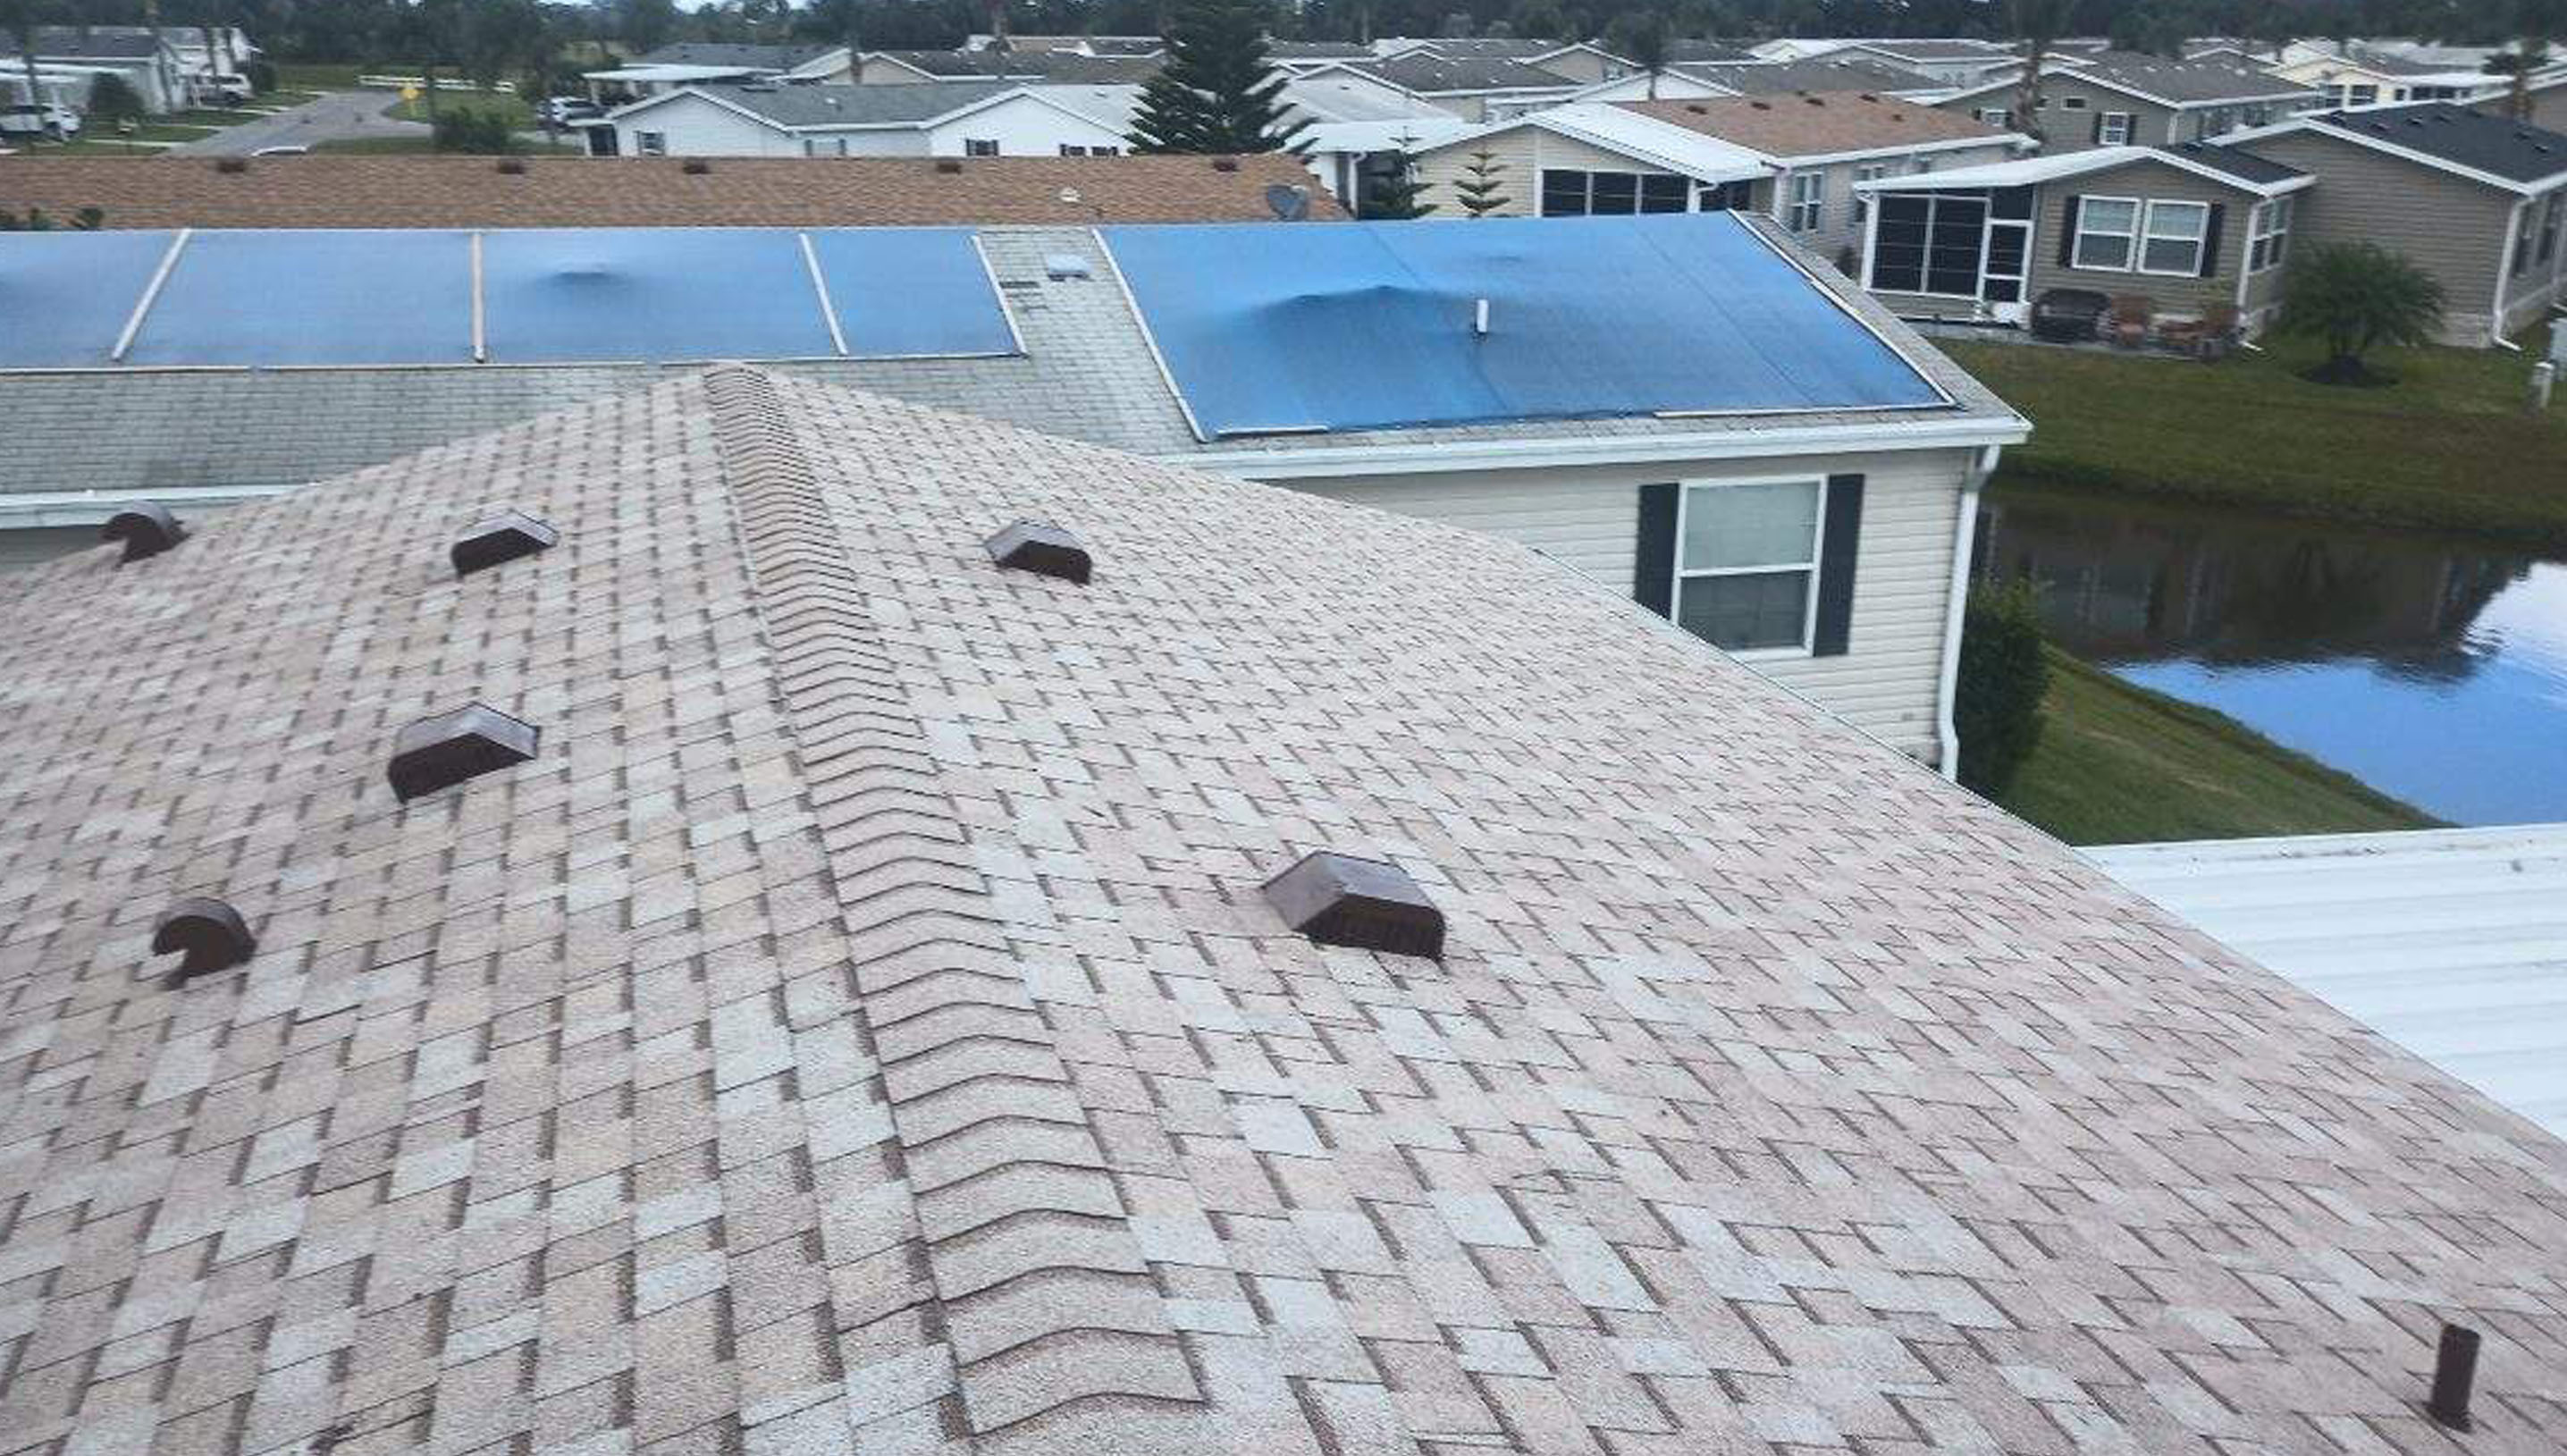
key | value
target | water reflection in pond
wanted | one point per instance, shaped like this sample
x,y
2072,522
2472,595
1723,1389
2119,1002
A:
x,y
2433,669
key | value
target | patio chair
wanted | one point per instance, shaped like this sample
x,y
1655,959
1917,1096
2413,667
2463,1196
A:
x,y
2208,336
2133,314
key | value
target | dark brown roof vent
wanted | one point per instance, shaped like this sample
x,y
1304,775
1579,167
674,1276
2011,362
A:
x,y
948,164
694,166
1225,163
209,930
440,752
1762,106
232,163
500,539
511,167
1370,904
146,529
1042,548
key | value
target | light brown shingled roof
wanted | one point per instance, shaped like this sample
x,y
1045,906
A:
x,y
1817,122
456,191
859,1027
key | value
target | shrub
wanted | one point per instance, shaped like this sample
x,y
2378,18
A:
x,y
261,76
2358,296
1996,707
484,134
37,219
113,98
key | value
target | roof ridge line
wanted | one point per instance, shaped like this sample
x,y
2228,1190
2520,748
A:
x,y
780,513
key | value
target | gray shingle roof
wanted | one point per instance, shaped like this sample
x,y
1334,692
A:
x,y
1430,72
1937,49
858,105
709,53
2182,81
1087,374
2516,151
98,42
2236,161
1059,65
860,1027
1827,73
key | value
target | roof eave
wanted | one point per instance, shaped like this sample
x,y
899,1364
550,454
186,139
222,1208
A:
x,y
1910,432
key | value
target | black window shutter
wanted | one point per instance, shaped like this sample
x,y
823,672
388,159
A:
x,y
2068,231
2210,240
1834,629
1654,558
2098,138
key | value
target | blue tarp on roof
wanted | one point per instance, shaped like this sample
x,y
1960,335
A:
x,y
1362,326
902,292
324,296
64,295
568,295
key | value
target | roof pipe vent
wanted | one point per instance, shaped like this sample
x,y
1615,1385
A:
x,y
441,752
146,529
498,539
1369,904
209,932
2455,1371
1041,548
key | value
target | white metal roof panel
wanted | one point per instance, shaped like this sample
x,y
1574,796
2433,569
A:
x,y
2451,943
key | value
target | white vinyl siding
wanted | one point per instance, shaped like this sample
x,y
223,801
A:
x,y
1588,519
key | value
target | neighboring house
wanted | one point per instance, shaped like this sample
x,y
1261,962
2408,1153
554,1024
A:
x,y
2123,99
1338,95
352,191
1582,161
2478,201
2361,74
938,119
1672,84
71,58
1353,158
2197,231
1948,62
1063,67
1473,88
864,1018
1819,147
2549,101
1681,51
1582,62
1822,74
698,63
1308,55
1835,453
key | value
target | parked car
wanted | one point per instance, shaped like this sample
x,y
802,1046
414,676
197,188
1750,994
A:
x,y
28,120
567,111
282,151
235,89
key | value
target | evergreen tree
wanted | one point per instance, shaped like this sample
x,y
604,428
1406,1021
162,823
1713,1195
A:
x,y
1393,195
1478,189
1217,93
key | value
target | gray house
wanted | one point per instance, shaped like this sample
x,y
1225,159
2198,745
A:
x,y
2171,234
2126,99
2479,201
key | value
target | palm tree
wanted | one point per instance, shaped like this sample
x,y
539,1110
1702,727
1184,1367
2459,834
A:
x,y
2356,297
2036,23
19,19
2527,58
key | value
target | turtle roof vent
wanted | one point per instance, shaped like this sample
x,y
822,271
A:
x,y
500,539
1058,266
1370,904
146,529
1042,548
209,932
440,752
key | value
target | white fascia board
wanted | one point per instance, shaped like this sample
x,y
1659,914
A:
x,y
22,510
770,123
2014,140
1321,462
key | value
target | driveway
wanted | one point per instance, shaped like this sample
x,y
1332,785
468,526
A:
x,y
335,117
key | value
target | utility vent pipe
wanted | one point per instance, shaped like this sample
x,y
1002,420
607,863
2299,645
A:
x,y
146,528
1479,318
2455,1372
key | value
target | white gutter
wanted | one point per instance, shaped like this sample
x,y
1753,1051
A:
x,y
1329,462
22,510
2514,240
1964,538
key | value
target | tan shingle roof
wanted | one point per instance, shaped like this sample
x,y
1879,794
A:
x,y
448,191
1817,124
860,1024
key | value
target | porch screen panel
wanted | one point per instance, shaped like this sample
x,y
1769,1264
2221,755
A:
x,y
1952,249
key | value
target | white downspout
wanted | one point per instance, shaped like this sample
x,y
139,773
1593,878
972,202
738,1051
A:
x,y
2504,275
1964,537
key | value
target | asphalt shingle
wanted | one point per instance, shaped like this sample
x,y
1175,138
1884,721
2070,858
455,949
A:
x,y
860,1027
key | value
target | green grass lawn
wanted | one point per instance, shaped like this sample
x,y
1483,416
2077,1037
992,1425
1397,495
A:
x,y
331,75
2118,764
2448,447
513,110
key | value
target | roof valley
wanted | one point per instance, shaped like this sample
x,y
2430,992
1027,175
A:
x,y
1041,1294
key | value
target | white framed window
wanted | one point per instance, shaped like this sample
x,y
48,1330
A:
x,y
1809,202
2361,95
651,144
1860,207
1747,563
1570,192
2271,237
980,146
824,146
2108,232
2115,130
2174,237
1995,115
2073,103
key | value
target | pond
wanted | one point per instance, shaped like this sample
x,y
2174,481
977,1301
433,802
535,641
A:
x,y
2433,669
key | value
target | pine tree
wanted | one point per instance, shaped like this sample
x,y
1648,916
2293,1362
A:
x,y
1217,93
1393,195
1479,188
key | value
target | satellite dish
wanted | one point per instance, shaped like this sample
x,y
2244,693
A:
x,y
1289,202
